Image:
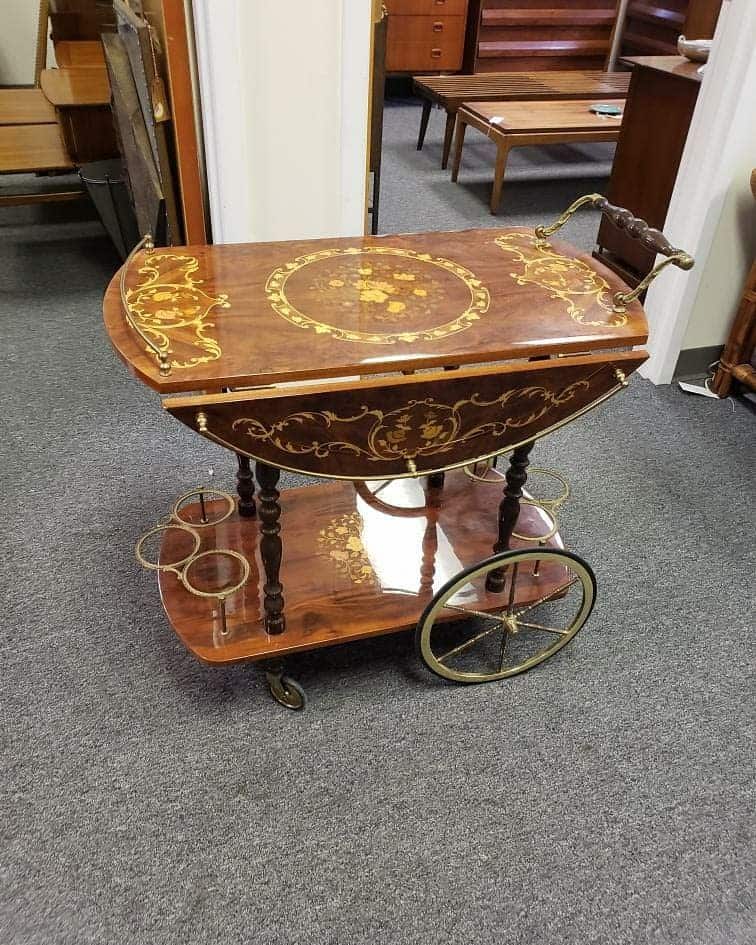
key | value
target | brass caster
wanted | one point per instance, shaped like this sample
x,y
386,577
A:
x,y
286,691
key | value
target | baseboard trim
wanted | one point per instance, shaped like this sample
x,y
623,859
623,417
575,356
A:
x,y
695,361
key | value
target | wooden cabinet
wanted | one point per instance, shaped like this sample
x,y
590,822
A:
x,y
660,102
425,35
652,26
528,35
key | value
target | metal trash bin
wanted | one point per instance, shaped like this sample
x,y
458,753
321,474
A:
x,y
107,185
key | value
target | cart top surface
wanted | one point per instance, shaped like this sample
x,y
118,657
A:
x,y
266,313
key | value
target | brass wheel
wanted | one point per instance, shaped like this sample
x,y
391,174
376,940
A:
x,y
469,634
286,691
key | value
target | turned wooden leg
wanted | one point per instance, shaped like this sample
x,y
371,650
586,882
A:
x,y
270,546
424,124
451,117
459,142
509,509
498,184
245,487
436,480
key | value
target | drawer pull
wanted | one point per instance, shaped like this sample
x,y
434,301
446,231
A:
x,y
436,53
438,27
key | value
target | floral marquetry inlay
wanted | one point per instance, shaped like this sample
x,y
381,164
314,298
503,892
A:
x,y
420,428
172,309
574,282
394,293
341,539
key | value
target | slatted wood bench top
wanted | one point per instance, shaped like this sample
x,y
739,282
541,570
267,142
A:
x,y
26,149
25,107
452,90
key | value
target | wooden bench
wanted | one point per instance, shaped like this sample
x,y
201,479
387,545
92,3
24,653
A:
x,y
31,143
81,96
520,124
450,91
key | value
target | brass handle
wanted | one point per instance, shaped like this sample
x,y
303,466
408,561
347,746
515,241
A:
x,y
436,53
438,27
637,229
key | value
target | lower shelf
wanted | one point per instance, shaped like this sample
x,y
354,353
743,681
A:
x,y
356,563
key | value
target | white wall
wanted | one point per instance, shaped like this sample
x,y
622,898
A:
x,y
18,41
733,249
711,212
285,109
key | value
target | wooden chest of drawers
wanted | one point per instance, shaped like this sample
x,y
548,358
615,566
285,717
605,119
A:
x,y
425,35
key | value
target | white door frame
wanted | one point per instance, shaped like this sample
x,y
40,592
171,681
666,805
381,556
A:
x,y
706,172
240,194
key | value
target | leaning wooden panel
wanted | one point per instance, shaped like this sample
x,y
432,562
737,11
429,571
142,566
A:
x,y
403,427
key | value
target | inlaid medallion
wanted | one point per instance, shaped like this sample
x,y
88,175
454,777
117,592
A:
x,y
377,294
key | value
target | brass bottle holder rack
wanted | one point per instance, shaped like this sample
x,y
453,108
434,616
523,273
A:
x,y
550,507
182,568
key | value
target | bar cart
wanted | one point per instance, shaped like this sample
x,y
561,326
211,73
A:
x,y
396,369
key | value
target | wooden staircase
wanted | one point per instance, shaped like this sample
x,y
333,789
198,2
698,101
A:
x,y
652,26
528,35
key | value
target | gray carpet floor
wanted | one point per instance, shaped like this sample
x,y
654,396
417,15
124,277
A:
x,y
606,797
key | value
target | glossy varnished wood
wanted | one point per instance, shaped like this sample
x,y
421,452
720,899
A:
x,y
387,427
353,566
365,306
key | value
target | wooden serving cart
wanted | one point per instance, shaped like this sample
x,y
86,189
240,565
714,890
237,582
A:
x,y
397,368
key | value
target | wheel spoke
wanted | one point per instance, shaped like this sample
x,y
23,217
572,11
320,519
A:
x,y
548,597
473,613
503,651
540,626
466,644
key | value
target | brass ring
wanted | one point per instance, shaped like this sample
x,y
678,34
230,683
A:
x,y
176,513
547,504
471,474
554,525
175,565
218,595
552,504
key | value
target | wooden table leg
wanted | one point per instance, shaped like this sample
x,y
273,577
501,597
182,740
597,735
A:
x,y
270,546
459,142
427,105
451,118
509,509
501,166
436,480
245,487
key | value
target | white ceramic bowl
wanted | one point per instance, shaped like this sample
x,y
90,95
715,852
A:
x,y
697,50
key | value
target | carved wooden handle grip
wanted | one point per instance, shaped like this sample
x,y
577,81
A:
x,y
637,229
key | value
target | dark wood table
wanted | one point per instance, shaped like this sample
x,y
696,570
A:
x,y
450,91
385,365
